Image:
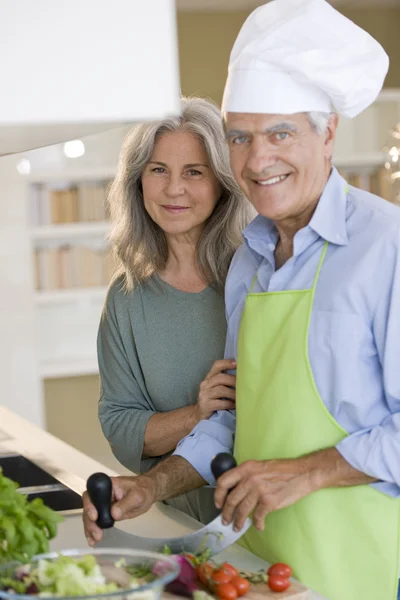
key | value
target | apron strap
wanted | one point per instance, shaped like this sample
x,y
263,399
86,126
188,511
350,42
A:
x,y
252,283
321,260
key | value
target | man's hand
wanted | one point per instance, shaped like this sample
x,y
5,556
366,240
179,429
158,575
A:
x,y
267,485
131,497
261,486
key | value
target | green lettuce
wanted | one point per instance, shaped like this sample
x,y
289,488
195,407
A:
x,y
25,527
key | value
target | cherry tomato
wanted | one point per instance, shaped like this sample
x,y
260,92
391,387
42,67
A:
x,y
226,591
229,569
220,576
203,572
241,584
280,569
278,584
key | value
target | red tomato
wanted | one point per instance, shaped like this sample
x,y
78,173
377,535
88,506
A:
x,y
226,591
203,572
229,569
241,584
278,584
280,569
220,576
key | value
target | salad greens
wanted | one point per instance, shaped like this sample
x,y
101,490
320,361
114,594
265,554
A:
x,y
63,576
72,576
143,571
87,575
25,527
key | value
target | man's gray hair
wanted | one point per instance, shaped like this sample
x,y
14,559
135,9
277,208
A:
x,y
319,121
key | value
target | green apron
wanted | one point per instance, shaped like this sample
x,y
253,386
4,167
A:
x,y
342,542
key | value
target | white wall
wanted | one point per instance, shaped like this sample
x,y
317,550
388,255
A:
x,y
19,382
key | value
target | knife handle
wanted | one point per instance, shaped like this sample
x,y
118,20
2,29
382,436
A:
x,y
221,463
99,487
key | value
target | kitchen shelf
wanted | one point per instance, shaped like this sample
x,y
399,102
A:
x,y
70,231
74,367
70,295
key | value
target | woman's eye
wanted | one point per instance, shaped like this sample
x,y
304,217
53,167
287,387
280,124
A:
x,y
158,170
194,172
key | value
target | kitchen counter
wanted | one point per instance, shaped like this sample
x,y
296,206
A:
x,y
72,468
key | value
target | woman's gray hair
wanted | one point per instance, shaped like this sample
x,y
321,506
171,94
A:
x,y
319,121
138,241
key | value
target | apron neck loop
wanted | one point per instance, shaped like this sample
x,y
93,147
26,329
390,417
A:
x,y
252,283
321,261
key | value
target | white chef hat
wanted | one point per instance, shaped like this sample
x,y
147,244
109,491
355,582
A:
x,y
303,55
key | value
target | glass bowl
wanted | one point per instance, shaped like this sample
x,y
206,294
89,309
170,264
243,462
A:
x,y
106,556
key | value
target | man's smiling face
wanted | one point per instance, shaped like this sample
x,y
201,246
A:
x,y
280,161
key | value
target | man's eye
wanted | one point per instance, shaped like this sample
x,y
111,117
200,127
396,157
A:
x,y
281,135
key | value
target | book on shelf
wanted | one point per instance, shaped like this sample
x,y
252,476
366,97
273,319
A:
x,y
66,267
54,204
63,206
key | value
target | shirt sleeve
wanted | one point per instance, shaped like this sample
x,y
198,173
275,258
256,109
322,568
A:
x,y
376,450
124,408
207,439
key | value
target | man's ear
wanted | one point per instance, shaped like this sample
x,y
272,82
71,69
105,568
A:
x,y
330,134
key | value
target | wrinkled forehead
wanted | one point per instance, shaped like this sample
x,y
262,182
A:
x,y
254,122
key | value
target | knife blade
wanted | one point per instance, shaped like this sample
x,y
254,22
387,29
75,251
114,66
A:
x,y
215,536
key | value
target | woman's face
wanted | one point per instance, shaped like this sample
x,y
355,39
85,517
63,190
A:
x,y
180,189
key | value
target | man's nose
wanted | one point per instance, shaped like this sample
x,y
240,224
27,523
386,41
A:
x,y
262,156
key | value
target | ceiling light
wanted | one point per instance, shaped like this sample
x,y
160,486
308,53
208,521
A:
x,y
74,149
24,166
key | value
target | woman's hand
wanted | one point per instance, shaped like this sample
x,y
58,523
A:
x,y
217,390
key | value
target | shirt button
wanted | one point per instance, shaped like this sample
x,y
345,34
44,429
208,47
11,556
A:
x,y
271,247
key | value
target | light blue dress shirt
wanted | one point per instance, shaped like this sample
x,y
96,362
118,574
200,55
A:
x,y
354,333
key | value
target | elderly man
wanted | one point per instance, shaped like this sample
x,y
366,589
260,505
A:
x,y
312,299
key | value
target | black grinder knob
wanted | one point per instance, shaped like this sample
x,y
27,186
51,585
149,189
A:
x,y
99,487
221,463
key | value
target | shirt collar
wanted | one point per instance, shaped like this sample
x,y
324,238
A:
x,y
328,220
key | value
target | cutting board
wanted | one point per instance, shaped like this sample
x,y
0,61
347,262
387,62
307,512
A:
x,y
261,591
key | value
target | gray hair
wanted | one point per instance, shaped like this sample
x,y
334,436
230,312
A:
x,y
139,243
319,121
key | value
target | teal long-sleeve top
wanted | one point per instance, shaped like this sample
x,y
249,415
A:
x,y
155,346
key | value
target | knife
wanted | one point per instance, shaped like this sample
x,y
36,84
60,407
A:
x,y
214,537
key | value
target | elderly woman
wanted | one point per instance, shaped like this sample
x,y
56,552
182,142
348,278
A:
x,y
176,215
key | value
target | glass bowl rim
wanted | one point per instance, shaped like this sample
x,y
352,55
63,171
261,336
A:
x,y
75,552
